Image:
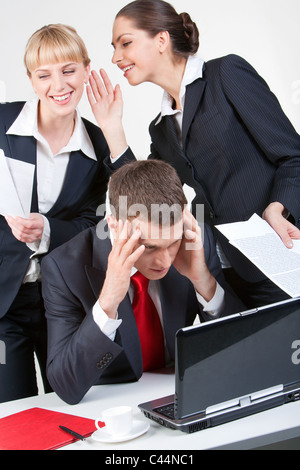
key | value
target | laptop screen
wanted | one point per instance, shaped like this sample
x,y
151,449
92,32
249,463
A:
x,y
222,360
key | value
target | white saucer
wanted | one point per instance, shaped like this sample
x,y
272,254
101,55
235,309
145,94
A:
x,y
138,429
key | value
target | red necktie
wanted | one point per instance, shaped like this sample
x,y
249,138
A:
x,y
148,323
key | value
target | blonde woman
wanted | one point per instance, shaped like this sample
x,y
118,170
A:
x,y
71,157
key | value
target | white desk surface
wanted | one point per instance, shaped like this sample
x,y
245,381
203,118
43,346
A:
x,y
275,425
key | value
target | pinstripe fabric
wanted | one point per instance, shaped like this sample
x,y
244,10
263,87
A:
x,y
240,152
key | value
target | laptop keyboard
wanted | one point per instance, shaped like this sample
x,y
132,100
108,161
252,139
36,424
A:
x,y
167,410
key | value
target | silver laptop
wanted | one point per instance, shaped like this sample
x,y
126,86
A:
x,y
233,367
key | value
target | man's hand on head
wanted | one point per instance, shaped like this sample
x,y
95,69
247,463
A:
x,y
123,256
190,259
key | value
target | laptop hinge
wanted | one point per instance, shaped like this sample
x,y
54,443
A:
x,y
245,400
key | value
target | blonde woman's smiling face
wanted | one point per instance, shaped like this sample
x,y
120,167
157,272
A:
x,y
59,86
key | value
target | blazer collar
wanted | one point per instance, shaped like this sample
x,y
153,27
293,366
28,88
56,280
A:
x,y
194,93
193,70
22,145
26,125
21,148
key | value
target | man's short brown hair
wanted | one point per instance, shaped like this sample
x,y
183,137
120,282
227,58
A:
x,y
150,187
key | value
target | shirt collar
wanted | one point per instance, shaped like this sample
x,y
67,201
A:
x,y
26,125
193,71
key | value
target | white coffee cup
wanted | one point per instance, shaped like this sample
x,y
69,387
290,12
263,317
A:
x,y
118,420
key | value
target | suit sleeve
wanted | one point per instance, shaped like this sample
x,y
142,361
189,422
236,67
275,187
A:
x,y
259,110
78,352
127,157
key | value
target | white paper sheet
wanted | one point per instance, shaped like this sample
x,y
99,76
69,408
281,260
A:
x,y
16,182
257,240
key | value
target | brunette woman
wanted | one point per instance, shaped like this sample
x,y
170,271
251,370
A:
x,y
222,129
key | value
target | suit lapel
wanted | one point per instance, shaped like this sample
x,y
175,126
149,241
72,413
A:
x,y
194,93
129,336
171,131
78,169
173,309
96,278
23,148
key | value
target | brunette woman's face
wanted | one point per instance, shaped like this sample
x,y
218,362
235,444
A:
x,y
59,86
135,52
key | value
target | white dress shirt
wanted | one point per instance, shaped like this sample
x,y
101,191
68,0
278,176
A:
x,y
51,171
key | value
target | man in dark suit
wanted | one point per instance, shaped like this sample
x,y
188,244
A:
x,y
93,328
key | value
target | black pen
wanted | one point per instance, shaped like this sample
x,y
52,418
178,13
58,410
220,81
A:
x,y
73,433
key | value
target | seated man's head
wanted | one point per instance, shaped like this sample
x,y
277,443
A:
x,y
149,195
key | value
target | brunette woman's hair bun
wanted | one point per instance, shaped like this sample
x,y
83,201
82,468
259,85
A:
x,y
191,31
155,16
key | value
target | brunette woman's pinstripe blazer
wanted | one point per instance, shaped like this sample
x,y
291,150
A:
x,y
239,150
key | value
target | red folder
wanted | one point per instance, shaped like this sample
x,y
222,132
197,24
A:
x,y
38,429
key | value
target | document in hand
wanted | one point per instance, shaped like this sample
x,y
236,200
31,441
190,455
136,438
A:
x,y
257,240
16,181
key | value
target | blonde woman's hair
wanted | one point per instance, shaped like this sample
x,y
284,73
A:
x,y
55,43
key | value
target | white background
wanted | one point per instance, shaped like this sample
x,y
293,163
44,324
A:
x,y
264,32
